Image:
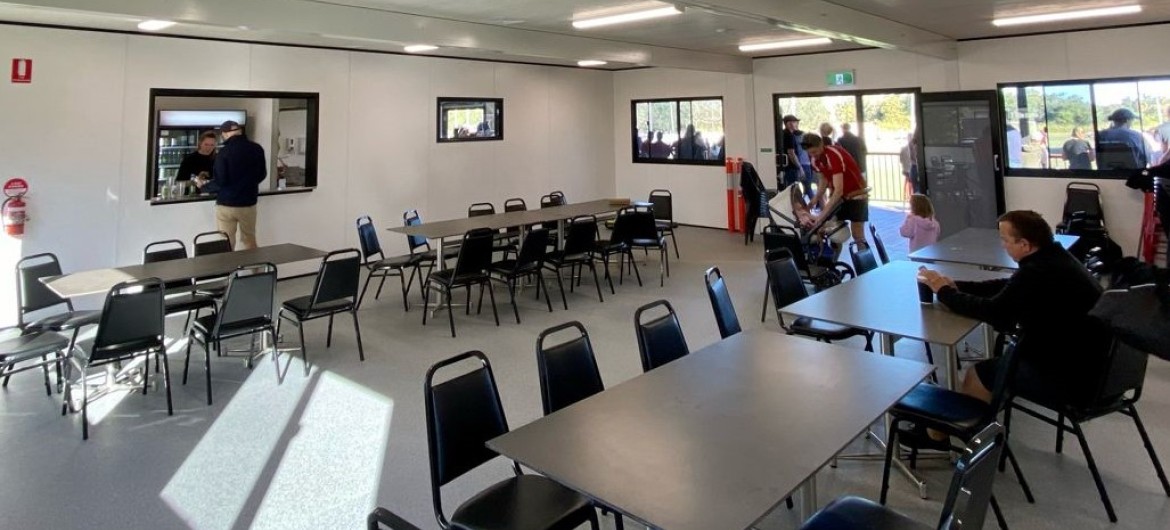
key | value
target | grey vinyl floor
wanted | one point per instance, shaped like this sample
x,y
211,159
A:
x,y
282,449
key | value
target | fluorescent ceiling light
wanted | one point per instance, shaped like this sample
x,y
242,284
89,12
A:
x,y
418,48
798,43
657,12
590,62
154,25
1067,15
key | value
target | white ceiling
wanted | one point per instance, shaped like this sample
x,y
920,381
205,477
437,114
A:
x,y
705,37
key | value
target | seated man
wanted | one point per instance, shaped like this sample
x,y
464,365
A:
x,y
1048,299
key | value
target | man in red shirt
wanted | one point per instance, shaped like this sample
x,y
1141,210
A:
x,y
841,180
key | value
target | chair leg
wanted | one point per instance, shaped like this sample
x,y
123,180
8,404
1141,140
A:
x,y
1059,433
381,284
357,332
166,370
767,295
479,303
206,371
364,287
187,361
426,302
998,514
492,296
1137,421
45,370
561,285
402,283
512,295
450,313
304,348
146,373
1011,457
674,243
329,334
1080,434
84,407
597,284
891,442
634,265
929,354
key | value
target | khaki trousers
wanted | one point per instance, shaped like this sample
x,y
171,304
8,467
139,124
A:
x,y
229,218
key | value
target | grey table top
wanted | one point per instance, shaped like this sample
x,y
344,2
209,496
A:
x,y
719,437
886,300
99,281
455,227
975,246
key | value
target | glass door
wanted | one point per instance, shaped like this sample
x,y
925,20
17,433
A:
x,y
960,160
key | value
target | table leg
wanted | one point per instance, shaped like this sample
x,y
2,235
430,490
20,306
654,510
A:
x,y
560,234
808,497
951,362
988,340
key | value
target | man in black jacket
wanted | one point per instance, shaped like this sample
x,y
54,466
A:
x,y
239,169
1048,299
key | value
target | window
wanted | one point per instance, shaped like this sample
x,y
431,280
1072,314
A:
x,y
678,131
470,119
1095,128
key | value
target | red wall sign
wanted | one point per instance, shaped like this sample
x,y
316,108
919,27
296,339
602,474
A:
x,y
15,187
22,70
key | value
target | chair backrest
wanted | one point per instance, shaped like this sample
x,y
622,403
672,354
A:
x,y
170,249
532,249
481,208
970,490
382,518
132,320
368,238
660,339
463,413
412,218
663,204
338,278
776,236
214,242
551,200
475,254
580,235
1084,197
784,281
879,244
560,195
1005,375
568,370
621,226
251,291
515,204
31,294
725,316
641,225
863,260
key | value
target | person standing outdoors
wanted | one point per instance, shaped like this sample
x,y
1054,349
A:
x,y
1078,151
1119,146
842,183
239,169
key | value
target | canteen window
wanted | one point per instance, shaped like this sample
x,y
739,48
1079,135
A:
x,y
678,131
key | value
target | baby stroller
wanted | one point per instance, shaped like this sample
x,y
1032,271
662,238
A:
x,y
815,248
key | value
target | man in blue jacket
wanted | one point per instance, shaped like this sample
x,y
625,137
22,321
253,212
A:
x,y
239,169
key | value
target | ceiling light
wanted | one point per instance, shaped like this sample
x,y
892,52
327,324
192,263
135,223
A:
x,y
1067,15
627,17
590,62
419,48
154,25
798,43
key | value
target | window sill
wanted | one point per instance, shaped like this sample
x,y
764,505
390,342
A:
x,y
204,197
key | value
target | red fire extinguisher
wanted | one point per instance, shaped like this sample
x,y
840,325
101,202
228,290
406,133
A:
x,y
14,210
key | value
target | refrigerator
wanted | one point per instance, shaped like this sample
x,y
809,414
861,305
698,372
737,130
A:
x,y
177,135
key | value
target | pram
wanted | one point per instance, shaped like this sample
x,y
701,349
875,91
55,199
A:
x,y
815,249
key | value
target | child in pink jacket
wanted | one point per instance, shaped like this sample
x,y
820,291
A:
x,y
920,225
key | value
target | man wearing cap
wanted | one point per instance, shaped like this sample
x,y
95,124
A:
x,y
798,167
239,169
1120,147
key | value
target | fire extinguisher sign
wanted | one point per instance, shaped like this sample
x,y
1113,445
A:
x,y
22,70
15,187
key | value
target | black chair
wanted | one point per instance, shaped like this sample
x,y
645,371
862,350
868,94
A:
x,y
182,299
643,233
515,204
863,259
335,291
618,244
132,325
787,288
580,239
1116,387
503,241
246,310
529,262
725,316
382,518
33,297
879,244
660,340
953,414
663,204
42,349
462,414
379,266
550,200
471,268
419,245
206,243
965,506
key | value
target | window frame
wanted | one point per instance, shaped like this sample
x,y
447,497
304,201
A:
x,y
439,119
678,119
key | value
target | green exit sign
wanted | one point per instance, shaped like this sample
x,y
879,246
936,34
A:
x,y
840,78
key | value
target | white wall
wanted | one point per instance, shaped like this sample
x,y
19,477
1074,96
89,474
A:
x,y
78,133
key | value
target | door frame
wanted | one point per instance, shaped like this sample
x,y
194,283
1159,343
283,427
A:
x,y
995,115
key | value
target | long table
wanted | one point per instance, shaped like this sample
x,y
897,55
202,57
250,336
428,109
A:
x,y
975,246
98,281
720,437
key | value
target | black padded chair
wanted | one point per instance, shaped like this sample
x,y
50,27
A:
x,y
618,244
206,243
550,200
515,204
663,203
383,519
503,241
787,288
379,266
580,239
42,349
132,325
419,245
463,413
660,339
529,262
863,259
471,268
335,291
721,304
878,244
34,300
965,505
643,233
1116,387
246,310
954,414
180,298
